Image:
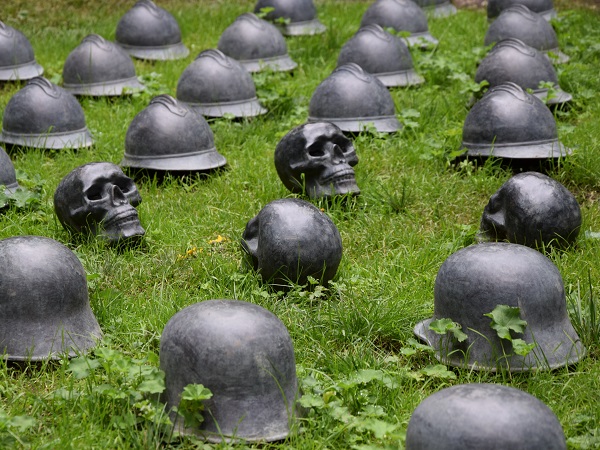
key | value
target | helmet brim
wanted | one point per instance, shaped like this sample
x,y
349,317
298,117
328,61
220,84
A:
x,y
559,97
21,72
404,78
534,150
420,40
107,88
383,124
440,11
304,28
71,139
191,162
162,53
550,353
244,108
281,63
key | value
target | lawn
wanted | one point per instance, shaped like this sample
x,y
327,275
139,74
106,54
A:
x,y
361,371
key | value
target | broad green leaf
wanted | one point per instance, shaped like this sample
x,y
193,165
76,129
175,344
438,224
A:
x,y
378,427
521,347
443,326
152,386
196,392
82,366
506,318
438,371
312,401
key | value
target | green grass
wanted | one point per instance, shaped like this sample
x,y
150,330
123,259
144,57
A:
x,y
415,210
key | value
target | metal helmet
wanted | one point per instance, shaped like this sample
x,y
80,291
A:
x,y
17,61
519,22
100,200
44,306
475,280
290,240
381,54
510,123
169,135
99,67
438,8
512,60
300,16
401,15
490,416
532,209
44,115
544,8
215,84
256,44
245,356
317,158
8,176
352,99
149,32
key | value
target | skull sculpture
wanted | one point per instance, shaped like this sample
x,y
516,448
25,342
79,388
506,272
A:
x,y
532,209
98,198
317,158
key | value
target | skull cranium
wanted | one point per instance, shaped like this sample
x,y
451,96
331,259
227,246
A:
x,y
317,158
98,198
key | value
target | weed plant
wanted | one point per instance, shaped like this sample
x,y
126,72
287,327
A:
x,y
361,369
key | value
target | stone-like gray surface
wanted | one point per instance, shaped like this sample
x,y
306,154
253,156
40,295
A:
x,y
44,307
290,240
99,199
245,356
8,176
483,416
17,61
300,16
544,8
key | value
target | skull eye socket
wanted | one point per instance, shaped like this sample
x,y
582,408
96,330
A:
x,y
316,151
124,186
94,193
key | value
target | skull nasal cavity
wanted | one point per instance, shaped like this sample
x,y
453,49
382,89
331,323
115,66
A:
x,y
117,196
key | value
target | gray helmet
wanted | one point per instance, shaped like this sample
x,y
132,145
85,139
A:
x,y
475,280
100,200
532,209
17,61
302,16
352,99
8,177
290,240
256,44
401,15
317,158
437,8
513,60
245,356
99,67
215,84
44,306
149,32
510,123
381,54
519,22
544,8
54,118
490,416
169,135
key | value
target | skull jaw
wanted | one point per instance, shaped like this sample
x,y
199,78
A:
x,y
122,227
342,182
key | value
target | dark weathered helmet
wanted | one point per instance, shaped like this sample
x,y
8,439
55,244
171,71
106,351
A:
x,y
317,158
8,176
149,32
290,240
215,84
17,61
401,15
532,209
44,307
510,123
300,16
44,115
244,355
169,135
352,99
512,60
381,54
490,416
519,22
99,67
544,8
474,281
438,8
256,44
